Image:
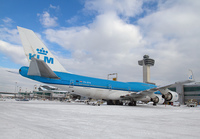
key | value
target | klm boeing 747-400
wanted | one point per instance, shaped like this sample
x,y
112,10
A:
x,y
45,68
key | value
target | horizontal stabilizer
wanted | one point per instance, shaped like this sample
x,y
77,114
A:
x,y
40,68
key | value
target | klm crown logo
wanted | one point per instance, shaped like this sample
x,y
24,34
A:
x,y
41,51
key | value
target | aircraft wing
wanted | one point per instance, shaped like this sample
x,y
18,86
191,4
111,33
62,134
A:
x,y
139,95
163,90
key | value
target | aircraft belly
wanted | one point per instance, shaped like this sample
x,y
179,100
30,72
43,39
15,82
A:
x,y
115,95
94,93
99,93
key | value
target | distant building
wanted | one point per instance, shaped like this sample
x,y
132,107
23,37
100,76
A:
x,y
44,92
187,92
50,94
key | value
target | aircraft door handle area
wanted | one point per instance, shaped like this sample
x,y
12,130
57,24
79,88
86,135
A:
x,y
71,84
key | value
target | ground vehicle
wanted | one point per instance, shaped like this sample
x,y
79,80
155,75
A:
x,y
176,104
191,103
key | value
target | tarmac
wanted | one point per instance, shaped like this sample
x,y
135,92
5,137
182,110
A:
x,y
54,119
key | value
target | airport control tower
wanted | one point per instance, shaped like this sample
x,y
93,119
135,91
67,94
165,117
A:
x,y
146,63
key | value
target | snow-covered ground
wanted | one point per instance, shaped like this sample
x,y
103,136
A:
x,y
62,120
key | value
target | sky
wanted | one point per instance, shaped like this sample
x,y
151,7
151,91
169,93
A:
x,y
95,38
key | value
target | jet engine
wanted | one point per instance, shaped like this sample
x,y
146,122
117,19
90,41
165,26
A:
x,y
158,99
170,96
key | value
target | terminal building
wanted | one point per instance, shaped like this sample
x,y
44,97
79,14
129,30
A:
x,y
187,92
44,92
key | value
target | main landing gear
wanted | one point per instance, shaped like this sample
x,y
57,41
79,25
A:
x,y
114,102
132,103
118,102
154,103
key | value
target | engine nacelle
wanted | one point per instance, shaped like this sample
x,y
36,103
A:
x,y
170,96
158,99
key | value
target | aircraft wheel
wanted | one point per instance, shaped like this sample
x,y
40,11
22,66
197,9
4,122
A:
x,y
132,103
109,102
120,103
117,102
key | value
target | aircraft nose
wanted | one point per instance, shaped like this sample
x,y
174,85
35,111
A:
x,y
20,70
23,71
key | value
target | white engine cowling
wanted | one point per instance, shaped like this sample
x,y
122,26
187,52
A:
x,y
170,96
158,99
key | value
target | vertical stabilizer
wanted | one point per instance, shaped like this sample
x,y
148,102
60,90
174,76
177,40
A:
x,y
35,48
190,75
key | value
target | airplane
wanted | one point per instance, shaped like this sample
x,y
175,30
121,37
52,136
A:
x,y
45,68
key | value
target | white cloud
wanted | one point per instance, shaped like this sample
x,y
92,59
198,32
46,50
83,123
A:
x,y
105,45
15,52
47,21
72,20
54,7
128,8
172,35
9,35
10,45
7,20
110,44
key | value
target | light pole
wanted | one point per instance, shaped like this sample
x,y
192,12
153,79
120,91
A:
x,y
15,86
17,89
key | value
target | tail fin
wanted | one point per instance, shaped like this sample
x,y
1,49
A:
x,y
190,75
34,47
